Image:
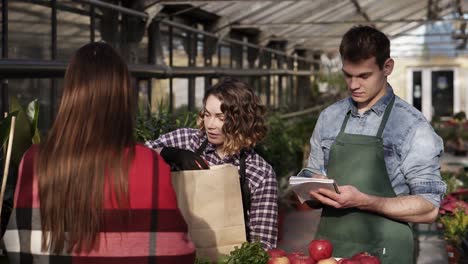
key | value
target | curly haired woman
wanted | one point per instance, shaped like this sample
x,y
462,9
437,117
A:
x,y
230,124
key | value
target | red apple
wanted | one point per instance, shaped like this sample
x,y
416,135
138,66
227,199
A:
x,y
302,260
366,258
360,254
369,260
320,249
327,261
279,260
276,252
293,255
348,261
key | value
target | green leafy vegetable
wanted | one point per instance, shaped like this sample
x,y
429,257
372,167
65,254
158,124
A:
x,y
251,253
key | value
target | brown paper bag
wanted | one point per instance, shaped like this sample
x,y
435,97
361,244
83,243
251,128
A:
x,y
211,203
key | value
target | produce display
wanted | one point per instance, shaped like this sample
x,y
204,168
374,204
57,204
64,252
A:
x,y
320,252
360,258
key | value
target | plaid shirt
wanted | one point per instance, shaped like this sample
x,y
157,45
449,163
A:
x,y
152,230
263,215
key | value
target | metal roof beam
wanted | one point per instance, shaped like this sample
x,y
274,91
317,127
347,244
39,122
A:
x,y
360,11
403,20
245,16
218,1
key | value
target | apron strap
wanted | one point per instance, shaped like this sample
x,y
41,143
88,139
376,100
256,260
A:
x,y
245,191
385,117
202,147
343,126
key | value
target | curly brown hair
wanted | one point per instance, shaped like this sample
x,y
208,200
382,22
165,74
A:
x,y
244,122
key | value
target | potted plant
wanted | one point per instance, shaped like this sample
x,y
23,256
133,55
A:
x,y
26,133
455,230
454,132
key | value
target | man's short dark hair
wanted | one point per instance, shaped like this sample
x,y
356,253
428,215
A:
x,y
364,42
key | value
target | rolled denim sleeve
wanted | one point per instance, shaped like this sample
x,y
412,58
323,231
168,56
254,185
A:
x,y
316,157
421,153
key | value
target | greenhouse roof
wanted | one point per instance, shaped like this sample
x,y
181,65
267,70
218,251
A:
x,y
415,26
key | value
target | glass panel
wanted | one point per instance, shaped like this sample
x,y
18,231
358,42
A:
x,y
262,91
180,90
141,51
27,90
159,94
29,31
98,36
285,95
200,61
164,41
442,93
179,41
274,91
225,56
274,62
215,58
417,89
236,54
143,100
72,29
199,91
245,61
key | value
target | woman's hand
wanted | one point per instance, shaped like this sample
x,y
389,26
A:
x,y
182,159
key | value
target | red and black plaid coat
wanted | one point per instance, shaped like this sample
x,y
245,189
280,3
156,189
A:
x,y
154,232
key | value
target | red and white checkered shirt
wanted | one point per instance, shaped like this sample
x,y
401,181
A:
x,y
154,230
263,215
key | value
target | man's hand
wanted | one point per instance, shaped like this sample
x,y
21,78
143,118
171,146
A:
x,y
348,197
407,208
182,159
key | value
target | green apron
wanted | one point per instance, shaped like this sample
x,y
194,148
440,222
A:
x,y
358,160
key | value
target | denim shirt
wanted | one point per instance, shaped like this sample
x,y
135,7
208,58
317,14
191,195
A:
x,y
411,147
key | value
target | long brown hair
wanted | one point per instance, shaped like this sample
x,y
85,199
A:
x,y
88,140
244,122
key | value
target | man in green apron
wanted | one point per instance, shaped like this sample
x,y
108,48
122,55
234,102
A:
x,y
383,154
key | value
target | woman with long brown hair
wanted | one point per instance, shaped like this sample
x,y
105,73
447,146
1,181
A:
x,y
88,193
231,123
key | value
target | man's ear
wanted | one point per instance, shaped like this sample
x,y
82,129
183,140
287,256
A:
x,y
388,66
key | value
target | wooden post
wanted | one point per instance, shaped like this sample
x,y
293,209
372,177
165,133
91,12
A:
x,y
7,161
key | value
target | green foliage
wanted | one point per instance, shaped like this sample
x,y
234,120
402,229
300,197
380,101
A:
x,y
284,144
455,226
279,149
251,253
151,126
32,112
285,148
5,124
452,180
26,131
